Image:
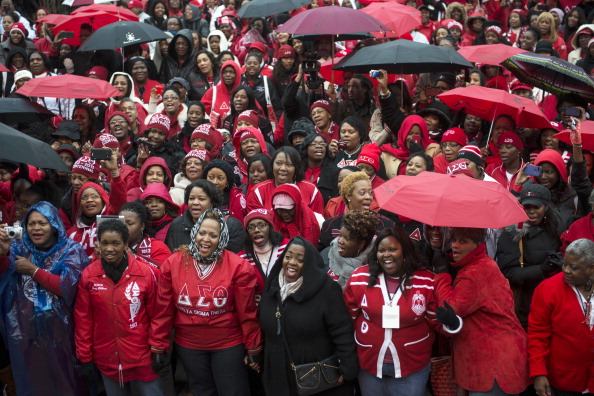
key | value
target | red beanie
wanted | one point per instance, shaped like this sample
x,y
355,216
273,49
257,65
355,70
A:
x,y
495,29
98,71
209,134
459,167
370,154
455,135
117,113
286,51
250,116
88,167
498,82
201,154
259,46
158,121
324,104
261,213
20,27
106,140
247,133
509,137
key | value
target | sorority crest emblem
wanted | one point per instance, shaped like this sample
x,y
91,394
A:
x,y
418,303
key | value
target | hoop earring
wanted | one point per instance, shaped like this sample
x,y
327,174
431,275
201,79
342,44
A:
x,y
589,284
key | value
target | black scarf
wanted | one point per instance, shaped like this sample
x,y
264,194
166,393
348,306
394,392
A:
x,y
115,272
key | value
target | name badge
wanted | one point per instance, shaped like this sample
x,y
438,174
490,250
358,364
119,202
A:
x,y
391,317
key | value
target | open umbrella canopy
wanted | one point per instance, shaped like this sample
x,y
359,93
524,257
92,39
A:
x,y
399,18
69,86
15,110
489,54
75,3
18,147
332,20
97,19
489,103
551,74
264,8
587,132
403,57
109,8
122,34
450,201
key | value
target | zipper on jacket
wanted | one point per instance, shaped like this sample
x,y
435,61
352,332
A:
x,y
278,316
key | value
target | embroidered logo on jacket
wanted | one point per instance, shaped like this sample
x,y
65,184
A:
x,y
132,293
418,303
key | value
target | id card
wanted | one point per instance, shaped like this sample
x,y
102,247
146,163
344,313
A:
x,y
391,317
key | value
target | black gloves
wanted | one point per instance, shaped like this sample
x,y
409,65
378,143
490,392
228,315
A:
x,y
160,361
447,316
440,262
87,372
552,264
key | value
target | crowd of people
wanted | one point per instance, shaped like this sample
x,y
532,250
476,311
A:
x,y
219,228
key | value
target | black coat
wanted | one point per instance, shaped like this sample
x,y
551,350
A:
x,y
315,323
180,228
170,66
536,241
260,94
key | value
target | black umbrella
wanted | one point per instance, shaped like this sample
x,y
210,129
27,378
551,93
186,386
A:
x,y
264,8
122,34
18,147
16,110
404,57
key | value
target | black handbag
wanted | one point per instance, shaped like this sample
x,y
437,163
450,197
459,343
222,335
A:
x,y
313,378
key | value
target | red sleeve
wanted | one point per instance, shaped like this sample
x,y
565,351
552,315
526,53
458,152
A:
x,y
463,298
162,323
244,293
253,202
151,296
317,202
207,100
49,281
83,320
118,195
279,132
540,330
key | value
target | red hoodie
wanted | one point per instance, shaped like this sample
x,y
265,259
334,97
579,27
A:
x,y
134,193
86,234
244,133
171,209
304,222
554,158
217,99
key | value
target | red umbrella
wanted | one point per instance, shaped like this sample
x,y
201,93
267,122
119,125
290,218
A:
x,y
53,19
332,20
489,54
450,201
3,68
97,19
399,18
109,8
69,86
587,132
489,103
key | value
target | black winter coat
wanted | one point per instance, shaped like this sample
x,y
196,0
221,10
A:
x,y
536,242
180,228
259,91
170,66
315,323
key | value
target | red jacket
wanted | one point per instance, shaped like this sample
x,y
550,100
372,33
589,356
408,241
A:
x,y
261,196
152,251
492,344
85,235
410,345
216,100
581,228
113,321
560,345
211,311
500,174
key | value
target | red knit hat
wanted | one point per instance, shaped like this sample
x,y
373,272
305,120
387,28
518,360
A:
x,y
158,121
498,82
459,166
250,116
455,135
201,154
246,133
455,24
472,153
286,51
98,71
209,134
106,140
88,167
117,113
20,27
261,213
259,46
517,84
370,154
324,104
509,137
495,29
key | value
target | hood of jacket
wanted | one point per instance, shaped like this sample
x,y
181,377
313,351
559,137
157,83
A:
x,y
187,34
224,43
459,6
130,80
554,158
100,191
247,132
235,66
196,14
574,40
313,272
50,212
160,191
407,124
150,162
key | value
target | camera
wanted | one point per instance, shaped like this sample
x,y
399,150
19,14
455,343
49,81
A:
x,y
341,145
375,73
98,154
311,67
14,232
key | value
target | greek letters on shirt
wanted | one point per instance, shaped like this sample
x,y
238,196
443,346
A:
x,y
209,303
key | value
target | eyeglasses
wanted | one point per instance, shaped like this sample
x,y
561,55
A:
x,y
318,144
167,98
260,226
117,122
86,198
452,145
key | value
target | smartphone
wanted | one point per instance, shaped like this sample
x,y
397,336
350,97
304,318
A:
x,y
533,170
98,154
67,35
146,144
416,139
375,73
101,218
342,145
572,112
432,92
159,89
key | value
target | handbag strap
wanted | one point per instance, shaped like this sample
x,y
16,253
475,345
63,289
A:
x,y
521,253
282,332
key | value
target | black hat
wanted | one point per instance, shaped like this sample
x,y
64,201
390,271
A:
x,y
440,110
535,194
69,149
448,77
303,127
68,129
544,46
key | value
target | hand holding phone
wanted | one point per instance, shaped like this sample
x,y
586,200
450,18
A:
x,y
533,170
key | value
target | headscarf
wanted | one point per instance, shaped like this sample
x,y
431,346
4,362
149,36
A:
x,y
223,239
